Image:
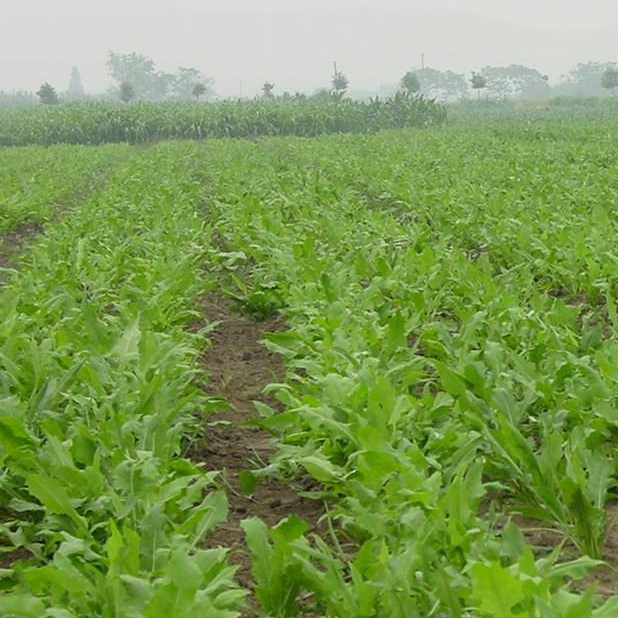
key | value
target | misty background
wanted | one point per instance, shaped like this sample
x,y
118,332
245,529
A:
x,y
241,44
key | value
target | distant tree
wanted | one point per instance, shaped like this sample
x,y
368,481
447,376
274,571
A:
x,y
409,82
339,82
515,80
609,79
17,98
134,69
322,94
75,91
140,72
163,88
47,94
126,92
478,82
267,90
585,79
443,85
153,85
184,81
199,89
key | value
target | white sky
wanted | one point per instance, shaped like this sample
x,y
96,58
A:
x,y
243,43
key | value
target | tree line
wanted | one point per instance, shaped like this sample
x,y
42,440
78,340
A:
x,y
513,81
136,77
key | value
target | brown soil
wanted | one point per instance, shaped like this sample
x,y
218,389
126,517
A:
x,y
8,558
239,367
13,242
17,555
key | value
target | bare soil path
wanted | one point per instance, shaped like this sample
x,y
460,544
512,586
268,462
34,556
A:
x,y
239,367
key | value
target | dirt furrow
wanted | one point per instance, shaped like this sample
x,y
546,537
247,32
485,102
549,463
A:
x,y
238,368
13,243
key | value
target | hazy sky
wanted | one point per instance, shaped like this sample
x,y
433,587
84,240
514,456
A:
x,y
243,43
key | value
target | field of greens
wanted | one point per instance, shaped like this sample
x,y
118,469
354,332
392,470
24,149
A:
x,y
449,301
137,123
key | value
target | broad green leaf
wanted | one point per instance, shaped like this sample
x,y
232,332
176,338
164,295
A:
x,y
14,434
453,383
320,468
495,590
54,497
21,605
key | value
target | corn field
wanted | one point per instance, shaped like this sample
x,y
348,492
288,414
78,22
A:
x,y
135,123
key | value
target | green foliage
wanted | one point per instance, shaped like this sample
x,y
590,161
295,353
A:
x,y
409,82
149,84
126,92
140,72
97,394
514,80
277,574
450,353
75,91
97,123
47,94
199,90
478,81
339,82
17,98
267,90
36,182
560,110
450,360
609,79
443,85
188,83
586,79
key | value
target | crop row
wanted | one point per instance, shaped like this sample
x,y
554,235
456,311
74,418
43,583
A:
x,y
451,365
451,360
97,123
35,181
97,393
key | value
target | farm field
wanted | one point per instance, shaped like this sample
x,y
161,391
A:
x,y
143,122
341,376
37,185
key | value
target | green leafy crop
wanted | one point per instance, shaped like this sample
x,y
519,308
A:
x,y
450,346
